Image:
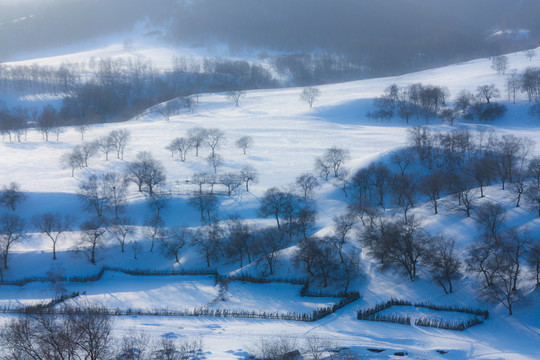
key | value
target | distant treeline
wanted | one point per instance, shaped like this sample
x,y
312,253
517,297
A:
x,y
386,37
383,37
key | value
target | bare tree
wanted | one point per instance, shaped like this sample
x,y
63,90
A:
x,y
121,229
404,190
215,161
273,203
154,230
533,260
380,179
92,232
343,225
513,84
175,240
491,218
12,231
449,115
11,195
87,150
214,138
502,285
133,346
322,168
482,258
361,184
120,139
442,262
397,243
190,103
512,151
276,348
516,245
168,108
93,194
464,193
305,219
488,92
500,64
307,183
310,95
236,95
158,201
94,334
518,185
244,143
306,253
402,159
351,268
115,188
208,241
335,157
47,121
197,136
318,348
146,171
532,194
180,145
249,175
231,181
534,170
44,336
268,243
530,54
432,186
482,169
239,242
72,159
325,262
105,144
53,226
206,203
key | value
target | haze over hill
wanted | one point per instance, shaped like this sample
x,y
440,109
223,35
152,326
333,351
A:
x,y
383,37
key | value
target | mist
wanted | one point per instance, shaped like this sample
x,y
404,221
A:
x,y
383,36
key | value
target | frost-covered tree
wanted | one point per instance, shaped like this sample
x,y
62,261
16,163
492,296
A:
x,y
310,95
197,136
214,138
146,172
181,145
244,143
249,175
236,95
120,138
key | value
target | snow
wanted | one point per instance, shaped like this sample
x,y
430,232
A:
x,y
288,136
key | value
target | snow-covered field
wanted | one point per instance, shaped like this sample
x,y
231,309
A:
x,y
288,136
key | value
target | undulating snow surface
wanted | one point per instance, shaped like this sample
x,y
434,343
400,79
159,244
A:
x,y
288,136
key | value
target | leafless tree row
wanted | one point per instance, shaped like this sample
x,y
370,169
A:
x,y
87,335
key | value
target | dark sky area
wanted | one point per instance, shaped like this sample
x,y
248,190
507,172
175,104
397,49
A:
x,y
387,35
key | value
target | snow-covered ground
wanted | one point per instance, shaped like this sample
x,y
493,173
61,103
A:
x,y
288,136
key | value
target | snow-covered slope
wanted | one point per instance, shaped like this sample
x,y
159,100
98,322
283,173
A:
x,y
287,135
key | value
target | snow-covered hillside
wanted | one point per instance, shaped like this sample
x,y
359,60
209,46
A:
x,y
287,136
